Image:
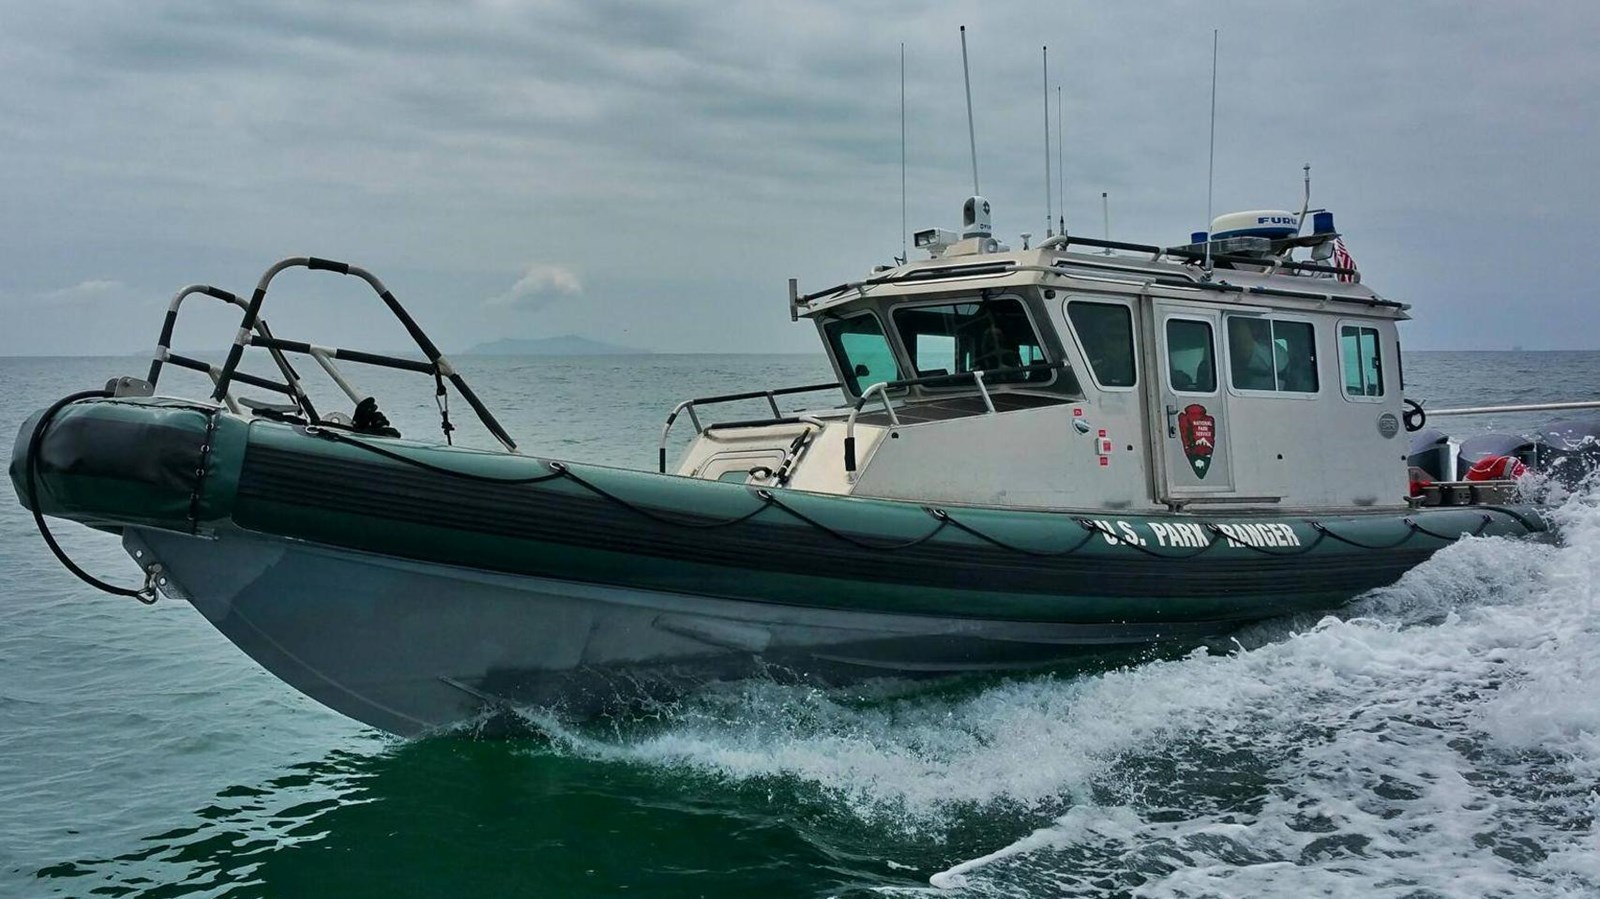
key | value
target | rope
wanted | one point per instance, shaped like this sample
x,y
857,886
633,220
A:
x,y
147,593
945,519
1411,531
770,499
1267,550
969,529
441,398
336,437
1527,525
563,471
1478,532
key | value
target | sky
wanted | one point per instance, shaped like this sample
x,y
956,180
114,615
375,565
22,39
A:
x,y
652,174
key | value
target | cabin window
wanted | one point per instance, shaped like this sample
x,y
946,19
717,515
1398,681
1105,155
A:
x,y
979,335
1191,357
1272,354
1106,332
862,351
1363,361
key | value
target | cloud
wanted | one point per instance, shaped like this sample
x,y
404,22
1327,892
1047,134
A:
x,y
539,286
728,147
93,288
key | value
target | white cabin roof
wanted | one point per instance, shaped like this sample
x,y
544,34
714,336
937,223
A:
x,y
1122,273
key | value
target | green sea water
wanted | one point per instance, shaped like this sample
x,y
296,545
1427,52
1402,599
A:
x,y
1437,738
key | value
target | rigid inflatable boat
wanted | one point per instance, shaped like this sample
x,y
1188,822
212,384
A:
x,y
1081,444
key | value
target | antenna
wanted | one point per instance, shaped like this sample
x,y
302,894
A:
x,y
905,254
1048,208
1105,209
1061,166
1305,205
972,131
1211,167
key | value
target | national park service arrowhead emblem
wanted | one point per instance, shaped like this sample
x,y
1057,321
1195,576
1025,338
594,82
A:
x,y
1198,431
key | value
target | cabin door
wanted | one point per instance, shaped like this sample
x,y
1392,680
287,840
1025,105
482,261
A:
x,y
1189,404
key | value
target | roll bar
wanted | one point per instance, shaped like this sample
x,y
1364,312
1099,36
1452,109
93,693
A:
x,y
253,331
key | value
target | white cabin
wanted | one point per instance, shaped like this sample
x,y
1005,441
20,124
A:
x,y
1063,377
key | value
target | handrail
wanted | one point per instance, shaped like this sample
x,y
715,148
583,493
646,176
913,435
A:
x,y
689,406
250,334
163,352
935,273
882,388
1531,407
1063,241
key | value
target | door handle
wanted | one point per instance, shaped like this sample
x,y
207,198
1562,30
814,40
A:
x,y
1172,421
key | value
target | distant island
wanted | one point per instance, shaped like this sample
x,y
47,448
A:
x,y
565,345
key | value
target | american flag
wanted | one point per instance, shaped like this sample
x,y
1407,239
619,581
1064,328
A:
x,y
1343,259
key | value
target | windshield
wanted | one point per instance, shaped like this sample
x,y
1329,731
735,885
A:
x,y
969,336
862,351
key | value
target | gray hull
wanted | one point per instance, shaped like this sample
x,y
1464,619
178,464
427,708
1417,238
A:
x,y
408,647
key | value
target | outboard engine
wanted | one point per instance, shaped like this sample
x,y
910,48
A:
x,y
1487,446
1431,451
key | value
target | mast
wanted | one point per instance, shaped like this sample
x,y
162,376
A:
x,y
1211,167
1047,194
972,131
905,252
1061,166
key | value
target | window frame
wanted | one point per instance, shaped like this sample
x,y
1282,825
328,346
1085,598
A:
x,y
1166,354
839,359
1338,337
1270,316
1129,304
908,353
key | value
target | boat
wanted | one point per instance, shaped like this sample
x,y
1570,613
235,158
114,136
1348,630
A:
x,y
1030,454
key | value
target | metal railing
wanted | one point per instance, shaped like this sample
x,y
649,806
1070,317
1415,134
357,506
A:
x,y
978,377
1531,407
771,396
253,331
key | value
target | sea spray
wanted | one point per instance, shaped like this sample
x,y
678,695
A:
x,y
1432,736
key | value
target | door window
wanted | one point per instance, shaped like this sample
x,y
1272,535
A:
x,y
1363,361
1191,356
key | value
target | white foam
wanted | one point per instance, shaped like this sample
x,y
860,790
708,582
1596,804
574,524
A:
x,y
1439,736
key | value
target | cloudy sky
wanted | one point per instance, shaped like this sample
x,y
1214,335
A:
x,y
652,174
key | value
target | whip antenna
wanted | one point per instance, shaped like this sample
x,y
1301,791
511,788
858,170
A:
x,y
1105,210
972,131
1211,167
1305,204
1048,199
905,254
1061,166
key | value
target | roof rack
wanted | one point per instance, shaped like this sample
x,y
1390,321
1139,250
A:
x,y
958,270
1156,253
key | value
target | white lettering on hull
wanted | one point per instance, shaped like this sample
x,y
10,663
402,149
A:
x,y
1190,535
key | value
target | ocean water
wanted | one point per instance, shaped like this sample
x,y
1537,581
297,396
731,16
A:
x,y
1440,737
